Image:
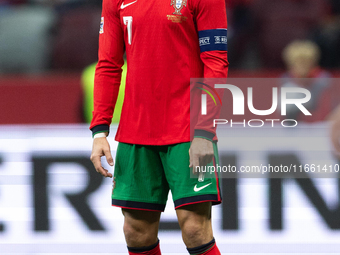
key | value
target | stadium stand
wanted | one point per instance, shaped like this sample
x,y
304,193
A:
x,y
76,41
25,39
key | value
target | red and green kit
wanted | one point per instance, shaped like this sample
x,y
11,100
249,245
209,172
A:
x,y
166,42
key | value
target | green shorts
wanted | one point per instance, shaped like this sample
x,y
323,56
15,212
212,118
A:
x,y
144,175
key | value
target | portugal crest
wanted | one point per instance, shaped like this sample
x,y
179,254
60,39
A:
x,y
178,5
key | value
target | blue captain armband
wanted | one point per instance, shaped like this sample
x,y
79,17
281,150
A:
x,y
213,39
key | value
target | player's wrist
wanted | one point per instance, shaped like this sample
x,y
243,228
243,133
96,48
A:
x,y
100,129
100,135
199,133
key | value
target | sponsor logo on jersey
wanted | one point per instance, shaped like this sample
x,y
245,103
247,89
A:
x,y
178,5
101,30
196,189
126,5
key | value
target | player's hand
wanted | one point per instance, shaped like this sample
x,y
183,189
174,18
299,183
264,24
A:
x,y
101,148
201,153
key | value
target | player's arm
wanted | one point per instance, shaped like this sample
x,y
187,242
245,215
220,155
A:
x,y
211,20
107,82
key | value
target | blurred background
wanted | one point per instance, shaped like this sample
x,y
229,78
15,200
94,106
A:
x,y
51,200
45,45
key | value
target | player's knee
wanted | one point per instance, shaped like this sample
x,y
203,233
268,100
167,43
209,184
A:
x,y
133,235
140,227
194,232
137,236
195,225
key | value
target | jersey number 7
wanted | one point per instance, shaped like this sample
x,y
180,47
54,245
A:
x,y
128,22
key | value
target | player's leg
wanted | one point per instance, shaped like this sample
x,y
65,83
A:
x,y
195,223
193,198
141,190
197,233
141,231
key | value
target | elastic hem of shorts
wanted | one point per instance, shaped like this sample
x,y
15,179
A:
x,y
138,205
197,199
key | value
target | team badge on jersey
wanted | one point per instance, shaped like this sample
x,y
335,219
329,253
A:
x,y
178,5
101,30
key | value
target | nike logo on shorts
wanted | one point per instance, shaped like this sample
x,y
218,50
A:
x,y
200,188
124,6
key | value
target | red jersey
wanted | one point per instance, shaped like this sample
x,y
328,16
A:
x,y
167,42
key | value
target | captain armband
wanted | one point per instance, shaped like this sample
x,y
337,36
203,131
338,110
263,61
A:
x,y
213,39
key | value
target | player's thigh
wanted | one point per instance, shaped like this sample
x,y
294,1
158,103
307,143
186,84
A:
x,y
140,227
200,213
187,188
142,220
139,180
195,223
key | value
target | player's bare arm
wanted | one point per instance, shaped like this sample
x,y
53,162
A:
x,y
201,153
101,148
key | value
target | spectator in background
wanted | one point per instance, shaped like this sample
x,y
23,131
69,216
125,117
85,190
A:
x,y
333,52
278,22
12,2
62,6
327,37
240,27
302,58
25,37
76,34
